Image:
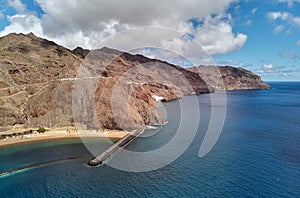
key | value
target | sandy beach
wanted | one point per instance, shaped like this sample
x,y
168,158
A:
x,y
62,133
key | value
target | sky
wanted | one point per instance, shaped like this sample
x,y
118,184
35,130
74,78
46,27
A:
x,y
261,36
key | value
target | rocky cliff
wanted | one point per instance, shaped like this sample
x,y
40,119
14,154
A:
x,y
229,78
44,84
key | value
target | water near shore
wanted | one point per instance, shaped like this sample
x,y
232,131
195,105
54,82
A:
x,y
257,154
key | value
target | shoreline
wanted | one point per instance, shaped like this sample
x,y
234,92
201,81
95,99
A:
x,y
61,133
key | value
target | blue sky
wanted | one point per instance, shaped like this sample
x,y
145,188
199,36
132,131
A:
x,y
264,46
262,36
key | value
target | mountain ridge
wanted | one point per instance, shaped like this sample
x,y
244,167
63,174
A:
x,y
38,79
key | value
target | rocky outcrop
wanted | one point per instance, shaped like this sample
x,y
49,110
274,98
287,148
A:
x,y
43,84
229,78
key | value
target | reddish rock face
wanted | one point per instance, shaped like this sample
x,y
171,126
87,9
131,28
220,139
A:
x,y
38,79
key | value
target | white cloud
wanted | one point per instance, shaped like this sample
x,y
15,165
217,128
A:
x,y
298,43
76,22
289,2
217,37
247,18
278,29
23,23
268,66
296,20
248,22
80,14
254,10
284,16
277,72
285,19
278,15
17,5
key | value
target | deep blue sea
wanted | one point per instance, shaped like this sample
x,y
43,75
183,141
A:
x,y
256,155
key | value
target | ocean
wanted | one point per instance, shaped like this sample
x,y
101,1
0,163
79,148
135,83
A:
x,y
256,155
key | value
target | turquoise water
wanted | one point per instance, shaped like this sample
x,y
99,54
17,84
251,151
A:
x,y
257,155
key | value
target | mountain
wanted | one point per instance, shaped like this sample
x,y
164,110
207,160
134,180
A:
x,y
45,84
229,78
